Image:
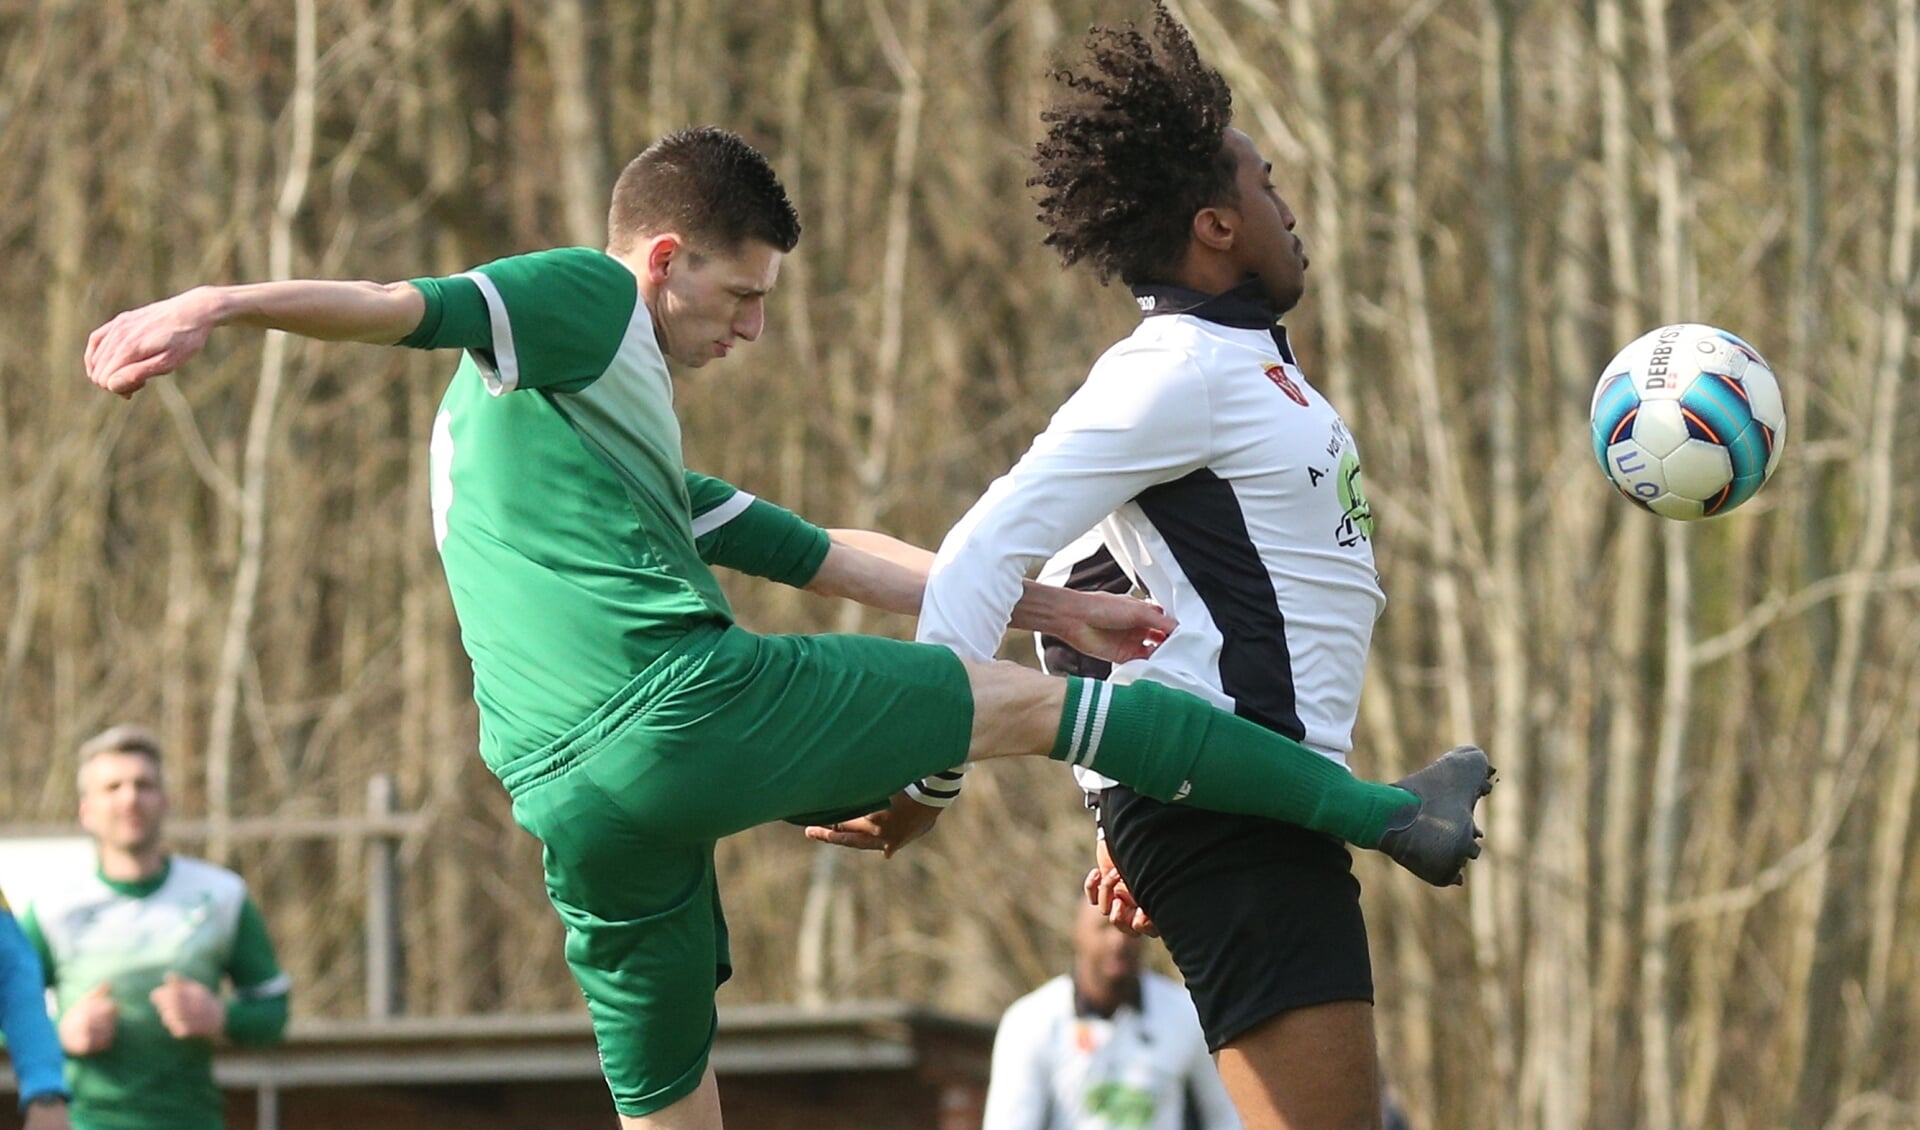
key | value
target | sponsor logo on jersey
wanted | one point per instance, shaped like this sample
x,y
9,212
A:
x,y
1278,375
1356,517
1120,1105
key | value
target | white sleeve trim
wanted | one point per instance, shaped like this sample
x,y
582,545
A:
x,y
503,373
939,790
272,987
720,515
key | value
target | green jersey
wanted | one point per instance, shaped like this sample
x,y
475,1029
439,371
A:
x,y
193,919
576,544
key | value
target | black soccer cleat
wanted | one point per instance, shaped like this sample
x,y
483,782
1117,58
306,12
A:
x,y
1437,837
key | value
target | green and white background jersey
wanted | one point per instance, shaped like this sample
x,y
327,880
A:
x,y
576,544
194,920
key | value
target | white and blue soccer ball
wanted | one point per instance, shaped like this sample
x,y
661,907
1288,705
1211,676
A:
x,y
1688,421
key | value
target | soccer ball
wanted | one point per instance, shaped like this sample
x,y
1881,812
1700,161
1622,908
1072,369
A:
x,y
1688,421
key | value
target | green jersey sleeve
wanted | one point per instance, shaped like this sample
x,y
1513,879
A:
x,y
737,530
549,320
257,1014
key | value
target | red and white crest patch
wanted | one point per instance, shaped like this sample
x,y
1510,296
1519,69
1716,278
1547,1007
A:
x,y
1278,375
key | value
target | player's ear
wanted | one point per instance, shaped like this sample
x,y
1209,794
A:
x,y
662,254
1213,227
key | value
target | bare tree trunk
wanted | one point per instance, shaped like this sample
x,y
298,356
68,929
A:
x,y
1449,517
907,58
1674,256
576,124
1874,486
235,648
449,881
1327,230
1809,171
75,536
1559,1014
1624,735
665,101
797,317
1495,895
1893,831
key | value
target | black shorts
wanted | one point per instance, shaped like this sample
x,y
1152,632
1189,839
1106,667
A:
x,y
1261,917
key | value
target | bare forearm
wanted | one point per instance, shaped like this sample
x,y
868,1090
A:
x,y
381,313
887,573
873,569
892,550
1051,609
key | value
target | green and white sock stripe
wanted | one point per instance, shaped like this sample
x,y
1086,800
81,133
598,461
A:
x,y
1090,700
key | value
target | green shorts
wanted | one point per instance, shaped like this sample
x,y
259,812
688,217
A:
x,y
731,731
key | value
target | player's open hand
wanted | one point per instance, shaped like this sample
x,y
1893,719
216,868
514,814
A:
x,y
152,341
1117,628
1108,891
885,831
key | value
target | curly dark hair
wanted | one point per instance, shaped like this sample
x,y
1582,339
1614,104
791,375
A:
x,y
1135,145
707,184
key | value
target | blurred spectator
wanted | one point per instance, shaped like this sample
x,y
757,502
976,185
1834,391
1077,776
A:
x,y
137,953
1107,1046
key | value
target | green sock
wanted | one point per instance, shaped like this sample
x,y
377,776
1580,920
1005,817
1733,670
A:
x,y
1170,745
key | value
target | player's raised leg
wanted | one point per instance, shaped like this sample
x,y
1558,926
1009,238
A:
x,y
1172,746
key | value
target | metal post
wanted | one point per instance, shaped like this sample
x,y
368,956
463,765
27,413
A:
x,y
383,903
267,1107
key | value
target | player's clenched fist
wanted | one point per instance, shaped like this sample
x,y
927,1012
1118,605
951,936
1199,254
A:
x,y
88,1027
189,1009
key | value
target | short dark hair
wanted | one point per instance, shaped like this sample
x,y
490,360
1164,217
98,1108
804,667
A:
x,y
706,184
1135,146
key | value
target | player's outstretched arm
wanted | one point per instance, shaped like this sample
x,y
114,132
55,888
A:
x,y
156,339
873,569
887,573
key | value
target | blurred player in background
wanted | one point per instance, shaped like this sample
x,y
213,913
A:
x,y
1107,1046
138,954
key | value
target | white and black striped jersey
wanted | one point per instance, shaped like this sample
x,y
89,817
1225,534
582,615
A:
x,y
1225,486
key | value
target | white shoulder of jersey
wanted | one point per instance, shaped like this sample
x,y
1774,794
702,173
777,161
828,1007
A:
x,y
1053,997
197,876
